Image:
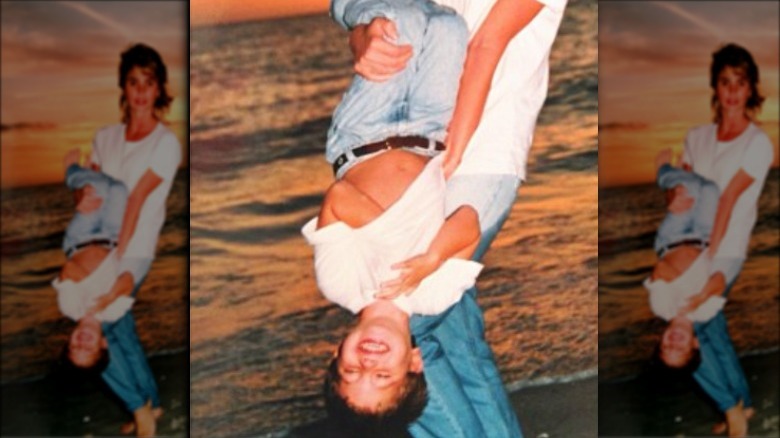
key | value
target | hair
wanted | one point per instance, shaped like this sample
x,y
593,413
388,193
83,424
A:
x,y
689,367
390,423
143,56
70,368
732,55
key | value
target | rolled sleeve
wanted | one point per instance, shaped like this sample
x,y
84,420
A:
x,y
166,157
351,13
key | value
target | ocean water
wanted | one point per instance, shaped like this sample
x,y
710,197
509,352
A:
x,y
33,330
628,331
261,334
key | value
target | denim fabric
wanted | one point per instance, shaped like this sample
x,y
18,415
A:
x,y
419,100
459,333
106,221
128,373
696,222
720,374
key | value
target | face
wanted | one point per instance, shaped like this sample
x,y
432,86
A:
x,y
85,344
733,89
677,343
141,90
373,362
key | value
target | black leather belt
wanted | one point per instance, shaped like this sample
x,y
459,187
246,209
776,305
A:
x,y
687,242
388,143
110,244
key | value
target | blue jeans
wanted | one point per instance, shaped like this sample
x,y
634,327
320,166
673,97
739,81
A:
x,y
419,100
694,223
128,373
106,221
720,374
465,382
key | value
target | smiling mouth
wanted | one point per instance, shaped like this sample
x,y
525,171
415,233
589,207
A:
x,y
371,346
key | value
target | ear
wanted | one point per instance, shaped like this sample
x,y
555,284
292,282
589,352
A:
x,y
416,363
103,342
695,342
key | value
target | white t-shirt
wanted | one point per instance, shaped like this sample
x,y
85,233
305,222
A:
x,y
74,298
351,263
752,152
504,136
127,161
667,298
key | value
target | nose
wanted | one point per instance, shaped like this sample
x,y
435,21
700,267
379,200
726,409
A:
x,y
367,361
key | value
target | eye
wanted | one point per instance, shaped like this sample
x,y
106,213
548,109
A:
x,y
383,376
350,371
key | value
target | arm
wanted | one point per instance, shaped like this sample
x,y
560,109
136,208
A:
x,y
714,287
123,286
505,20
458,237
148,182
738,184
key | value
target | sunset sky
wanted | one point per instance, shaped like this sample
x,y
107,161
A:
x,y
654,62
59,76
204,12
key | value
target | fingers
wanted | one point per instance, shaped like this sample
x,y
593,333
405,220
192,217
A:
x,y
389,29
387,295
382,60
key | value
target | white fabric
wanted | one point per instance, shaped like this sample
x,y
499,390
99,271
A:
x,y
74,298
128,161
667,298
351,263
752,152
501,143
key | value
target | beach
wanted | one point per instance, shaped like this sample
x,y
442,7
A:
x,y
261,333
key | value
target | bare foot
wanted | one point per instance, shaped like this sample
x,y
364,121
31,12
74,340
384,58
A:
x,y
73,156
737,423
721,427
129,427
145,423
663,157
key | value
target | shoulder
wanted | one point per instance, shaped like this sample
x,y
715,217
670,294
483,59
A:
x,y
166,136
760,144
167,143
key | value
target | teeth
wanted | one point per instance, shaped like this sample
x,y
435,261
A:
x,y
373,347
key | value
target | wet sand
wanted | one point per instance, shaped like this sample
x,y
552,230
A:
x,y
640,407
565,410
43,408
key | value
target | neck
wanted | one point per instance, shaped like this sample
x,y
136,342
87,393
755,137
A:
x,y
732,122
385,309
141,121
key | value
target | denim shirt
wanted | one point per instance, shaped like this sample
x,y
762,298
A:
x,y
697,221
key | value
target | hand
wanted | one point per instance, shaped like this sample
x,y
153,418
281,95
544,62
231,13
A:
x,y
90,201
413,271
680,202
450,163
377,56
663,157
73,156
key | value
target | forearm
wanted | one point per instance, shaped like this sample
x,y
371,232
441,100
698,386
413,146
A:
x,y
714,287
457,237
475,83
722,219
505,20
129,221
